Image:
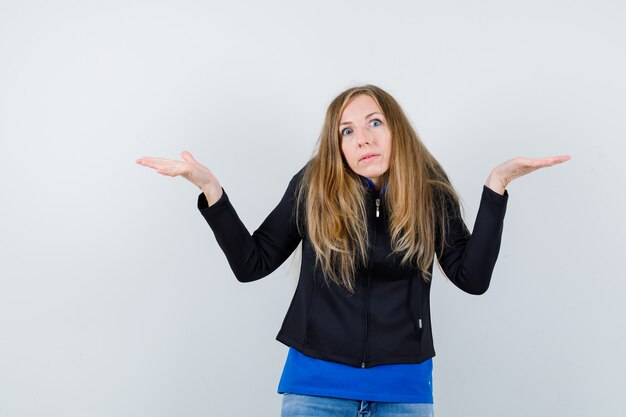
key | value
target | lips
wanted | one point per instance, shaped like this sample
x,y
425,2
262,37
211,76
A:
x,y
367,156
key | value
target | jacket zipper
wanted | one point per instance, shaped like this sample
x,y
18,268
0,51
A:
x,y
366,333
367,292
418,301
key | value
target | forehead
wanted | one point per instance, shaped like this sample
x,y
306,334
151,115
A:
x,y
359,107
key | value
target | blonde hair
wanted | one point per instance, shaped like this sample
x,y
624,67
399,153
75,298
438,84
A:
x,y
331,196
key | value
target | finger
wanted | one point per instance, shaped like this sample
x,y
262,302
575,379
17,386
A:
x,y
145,162
561,158
553,160
543,162
152,164
153,159
165,172
170,165
187,156
142,160
148,161
168,171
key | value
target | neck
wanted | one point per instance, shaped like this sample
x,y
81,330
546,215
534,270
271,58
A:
x,y
373,184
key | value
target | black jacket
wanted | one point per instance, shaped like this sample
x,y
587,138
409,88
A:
x,y
387,319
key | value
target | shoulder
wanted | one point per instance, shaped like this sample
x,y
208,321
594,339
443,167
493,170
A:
x,y
296,179
298,175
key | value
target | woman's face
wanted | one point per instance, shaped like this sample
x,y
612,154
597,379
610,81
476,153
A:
x,y
365,138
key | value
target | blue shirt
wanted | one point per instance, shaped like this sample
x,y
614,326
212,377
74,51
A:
x,y
404,383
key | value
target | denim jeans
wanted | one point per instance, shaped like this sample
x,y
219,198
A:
x,y
297,405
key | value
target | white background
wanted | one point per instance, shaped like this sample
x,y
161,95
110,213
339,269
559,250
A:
x,y
115,299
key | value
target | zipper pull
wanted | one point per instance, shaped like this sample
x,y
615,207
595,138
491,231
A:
x,y
377,207
362,364
419,323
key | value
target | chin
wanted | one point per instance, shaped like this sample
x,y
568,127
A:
x,y
371,173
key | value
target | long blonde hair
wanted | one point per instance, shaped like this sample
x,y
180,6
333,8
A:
x,y
331,196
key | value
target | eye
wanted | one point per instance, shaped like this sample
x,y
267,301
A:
x,y
376,122
346,131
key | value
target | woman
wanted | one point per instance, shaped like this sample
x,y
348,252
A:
x,y
372,209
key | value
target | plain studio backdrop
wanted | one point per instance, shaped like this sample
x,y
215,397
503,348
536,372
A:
x,y
115,300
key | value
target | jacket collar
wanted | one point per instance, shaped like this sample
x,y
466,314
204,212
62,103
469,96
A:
x,y
370,184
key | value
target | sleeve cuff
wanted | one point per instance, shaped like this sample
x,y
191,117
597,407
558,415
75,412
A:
x,y
203,204
494,197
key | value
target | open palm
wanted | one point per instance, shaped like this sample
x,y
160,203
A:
x,y
502,175
188,168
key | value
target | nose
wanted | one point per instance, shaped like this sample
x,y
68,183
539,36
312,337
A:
x,y
363,138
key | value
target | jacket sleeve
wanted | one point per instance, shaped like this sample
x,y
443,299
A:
x,y
255,256
468,259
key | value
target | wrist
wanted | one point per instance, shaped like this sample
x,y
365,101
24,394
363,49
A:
x,y
496,183
212,194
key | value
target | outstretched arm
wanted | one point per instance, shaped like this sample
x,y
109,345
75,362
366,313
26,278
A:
x,y
251,256
468,259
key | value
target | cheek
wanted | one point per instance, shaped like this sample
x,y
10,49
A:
x,y
388,148
345,151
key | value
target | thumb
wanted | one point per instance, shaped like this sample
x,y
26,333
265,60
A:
x,y
187,156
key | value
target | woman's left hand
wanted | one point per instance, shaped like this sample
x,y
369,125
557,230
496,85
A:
x,y
502,175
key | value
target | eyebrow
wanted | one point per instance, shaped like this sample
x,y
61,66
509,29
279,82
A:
x,y
367,117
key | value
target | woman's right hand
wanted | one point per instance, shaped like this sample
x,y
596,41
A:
x,y
190,169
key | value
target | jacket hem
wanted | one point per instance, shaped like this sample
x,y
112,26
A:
x,y
356,362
